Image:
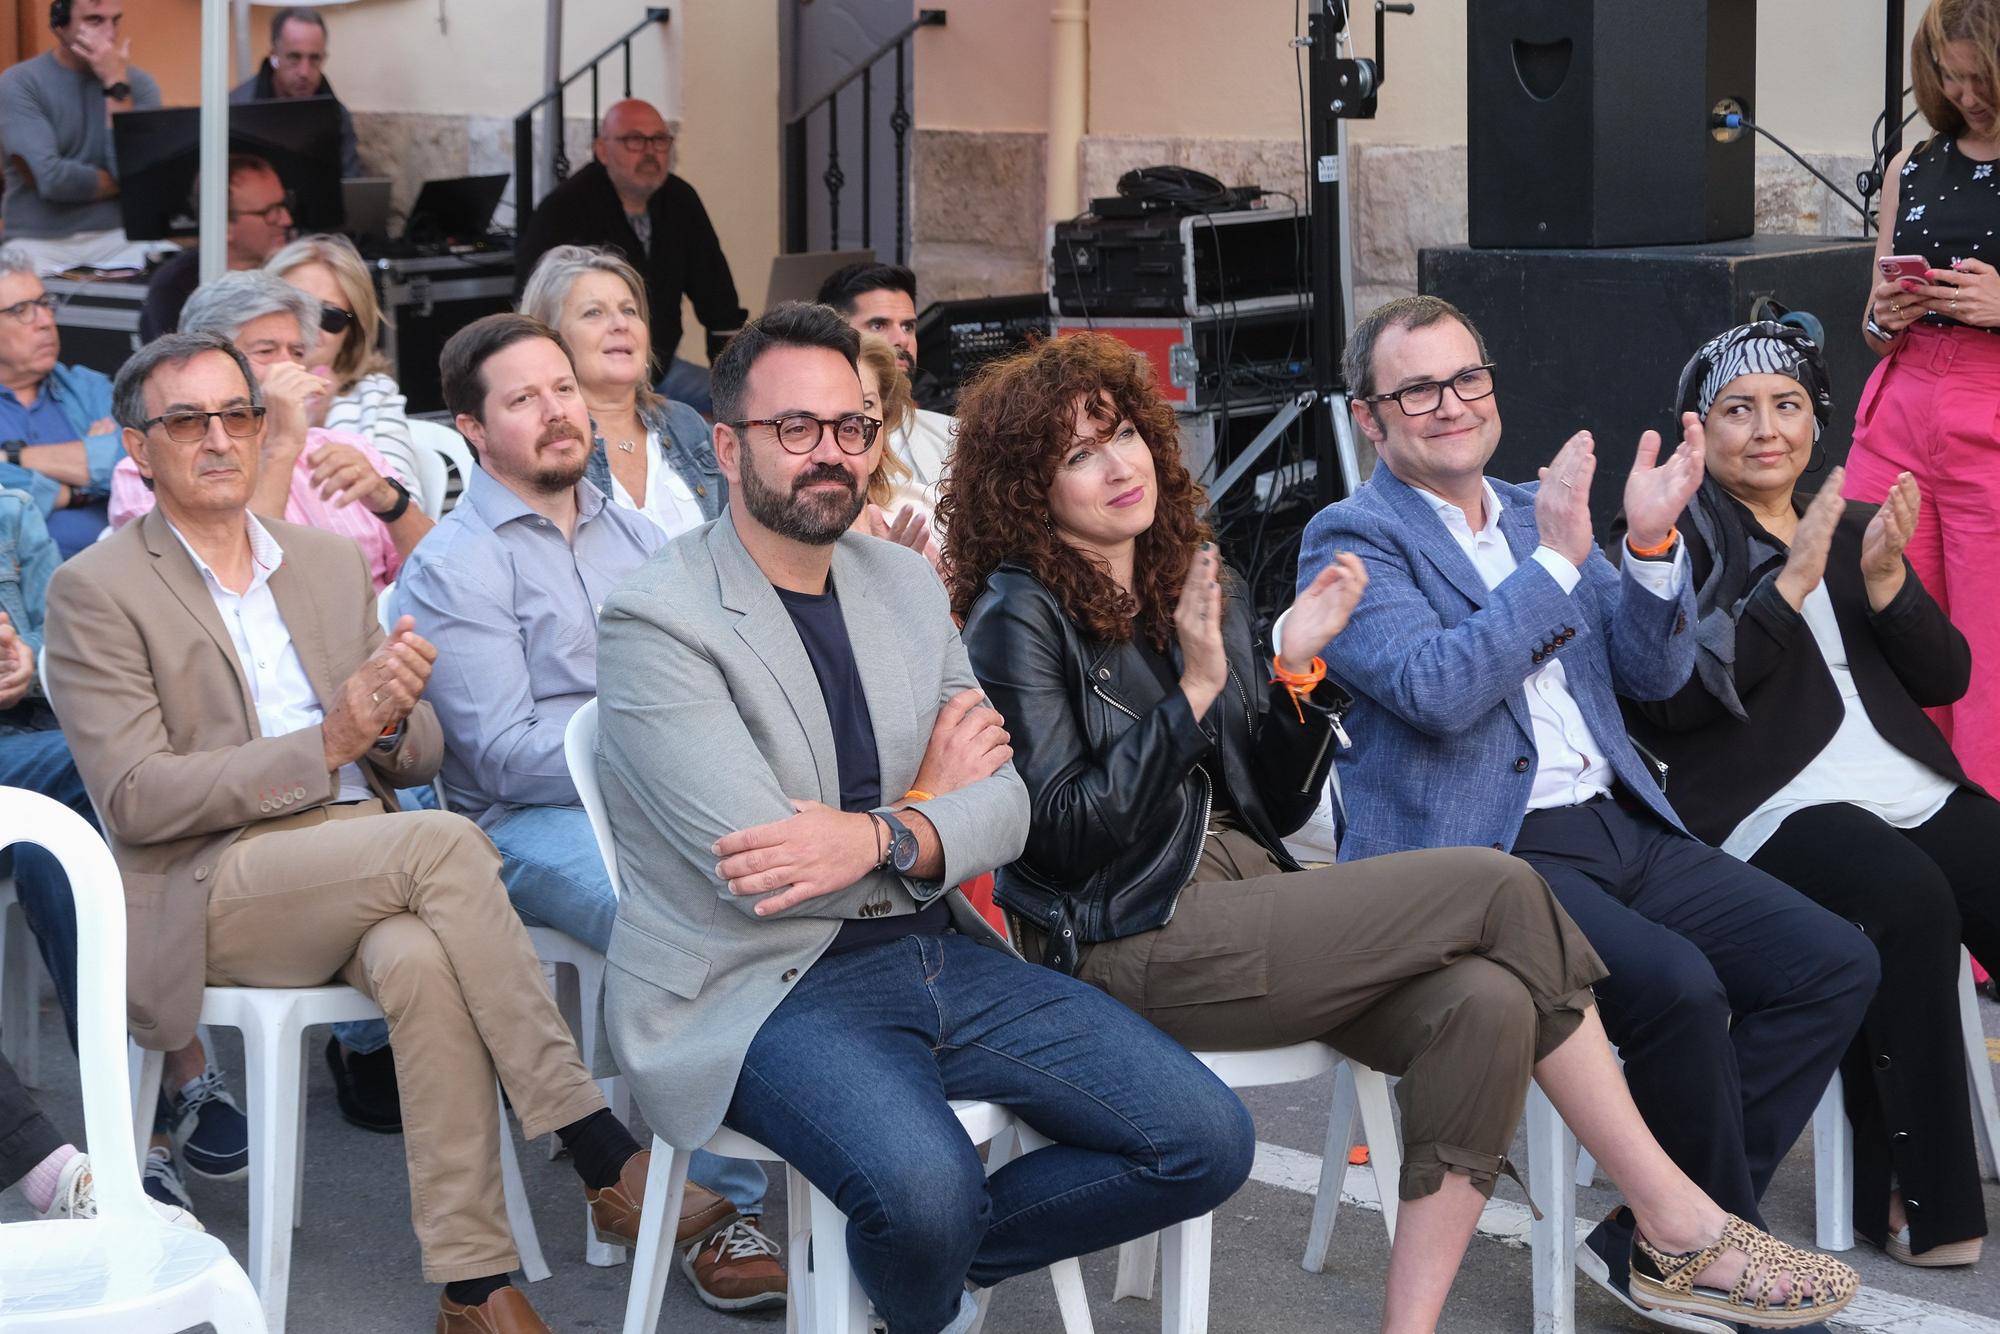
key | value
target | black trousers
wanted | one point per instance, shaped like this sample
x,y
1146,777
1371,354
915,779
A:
x,y
1731,996
1918,893
26,1137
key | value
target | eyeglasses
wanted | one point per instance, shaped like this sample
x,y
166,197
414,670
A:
x,y
188,426
799,432
333,320
24,311
269,213
639,143
1418,399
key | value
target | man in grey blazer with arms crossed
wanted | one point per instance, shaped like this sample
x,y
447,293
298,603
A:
x,y
799,770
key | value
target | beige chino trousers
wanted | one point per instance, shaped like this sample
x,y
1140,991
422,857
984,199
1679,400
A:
x,y
409,909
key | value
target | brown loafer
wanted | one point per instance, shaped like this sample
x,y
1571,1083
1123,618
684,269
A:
x,y
614,1210
505,1312
703,1214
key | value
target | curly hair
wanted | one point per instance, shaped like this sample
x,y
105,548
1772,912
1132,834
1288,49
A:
x,y
1015,423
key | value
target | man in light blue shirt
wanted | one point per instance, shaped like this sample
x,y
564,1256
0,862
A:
x,y
508,587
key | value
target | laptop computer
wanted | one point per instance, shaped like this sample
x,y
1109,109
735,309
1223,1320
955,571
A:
x,y
454,211
797,277
366,202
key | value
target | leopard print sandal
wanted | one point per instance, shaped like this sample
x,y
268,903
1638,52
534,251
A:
x,y
1665,1282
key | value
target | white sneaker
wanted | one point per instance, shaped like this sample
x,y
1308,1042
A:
x,y
76,1197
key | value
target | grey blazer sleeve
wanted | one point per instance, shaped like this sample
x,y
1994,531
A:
x,y
984,825
672,734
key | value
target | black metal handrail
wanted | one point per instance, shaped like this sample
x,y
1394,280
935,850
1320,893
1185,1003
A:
x,y
524,124
797,216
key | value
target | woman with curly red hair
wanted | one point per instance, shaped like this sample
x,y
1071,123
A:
x,y
1165,760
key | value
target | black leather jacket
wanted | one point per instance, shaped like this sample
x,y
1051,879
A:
x,y
1119,794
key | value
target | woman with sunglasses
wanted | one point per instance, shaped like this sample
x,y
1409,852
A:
x,y
366,400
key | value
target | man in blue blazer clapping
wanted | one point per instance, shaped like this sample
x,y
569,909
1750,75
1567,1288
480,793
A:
x,y
1485,664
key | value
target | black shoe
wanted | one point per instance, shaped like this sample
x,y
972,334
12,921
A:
x,y
366,1088
1605,1257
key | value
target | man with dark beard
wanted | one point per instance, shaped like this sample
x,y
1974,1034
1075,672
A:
x,y
798,769
507,586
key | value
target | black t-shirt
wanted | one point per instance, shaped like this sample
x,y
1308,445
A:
x,y
823,632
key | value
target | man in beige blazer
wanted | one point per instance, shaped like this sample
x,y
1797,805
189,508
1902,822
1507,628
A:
x,y
241,722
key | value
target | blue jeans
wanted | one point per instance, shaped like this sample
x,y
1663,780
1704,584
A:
x,y
555,878
849,1080
687,383
40,762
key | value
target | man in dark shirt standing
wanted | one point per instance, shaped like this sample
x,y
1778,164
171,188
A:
x,y
626,199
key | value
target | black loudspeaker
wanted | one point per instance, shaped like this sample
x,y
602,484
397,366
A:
x,y
1595,339
1589,121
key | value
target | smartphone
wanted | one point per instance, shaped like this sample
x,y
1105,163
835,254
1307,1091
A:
x,y
1905,266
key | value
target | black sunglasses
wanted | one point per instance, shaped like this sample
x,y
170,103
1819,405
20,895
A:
x,y
333,320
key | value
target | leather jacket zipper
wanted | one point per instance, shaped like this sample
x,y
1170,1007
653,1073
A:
x,y
1207,801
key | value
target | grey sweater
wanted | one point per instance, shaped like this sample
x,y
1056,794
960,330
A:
x,y
52,121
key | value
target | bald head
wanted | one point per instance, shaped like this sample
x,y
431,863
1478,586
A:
x,y
634,145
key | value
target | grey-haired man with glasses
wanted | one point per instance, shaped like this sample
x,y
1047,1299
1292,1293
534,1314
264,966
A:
x,y
57,440
628,199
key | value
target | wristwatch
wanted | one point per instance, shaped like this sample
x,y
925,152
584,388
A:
x,y
13,449
117,92
902,852
397,510
1877,330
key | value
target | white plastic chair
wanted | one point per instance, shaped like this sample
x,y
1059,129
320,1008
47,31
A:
x,y
127,1269
20,990
274,1021
828,1288
440,447
576,975
1833,1135
1184,1289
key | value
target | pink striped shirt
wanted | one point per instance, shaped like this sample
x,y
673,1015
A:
x,y
131,498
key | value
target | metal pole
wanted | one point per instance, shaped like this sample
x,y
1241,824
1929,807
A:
x,y
1892,82
214,209
246,63
1324,242
552,126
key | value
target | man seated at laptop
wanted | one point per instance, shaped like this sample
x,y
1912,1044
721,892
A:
x,y
260,222
296,67
627,199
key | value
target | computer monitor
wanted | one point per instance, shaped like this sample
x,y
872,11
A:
x,y
798,277
366,200
455,211
159,155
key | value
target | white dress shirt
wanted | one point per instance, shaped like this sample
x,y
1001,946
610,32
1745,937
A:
x,y
670,502
1570,765
1858,766
285,699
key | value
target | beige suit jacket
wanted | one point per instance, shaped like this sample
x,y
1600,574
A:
x,y
159,716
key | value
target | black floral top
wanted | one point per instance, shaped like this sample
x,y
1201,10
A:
x,y
1948,209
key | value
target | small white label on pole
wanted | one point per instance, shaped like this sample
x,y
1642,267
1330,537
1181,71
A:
x,y
1327,169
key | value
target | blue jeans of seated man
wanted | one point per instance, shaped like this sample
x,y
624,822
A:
x,y
850,1077
555,877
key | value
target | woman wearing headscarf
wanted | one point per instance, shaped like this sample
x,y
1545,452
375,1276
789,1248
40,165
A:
x,y
1801,745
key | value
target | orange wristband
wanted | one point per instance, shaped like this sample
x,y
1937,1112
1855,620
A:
x,y
1298,684
918,794
1649,553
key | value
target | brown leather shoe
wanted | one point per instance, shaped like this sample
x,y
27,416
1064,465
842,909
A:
x,y
703,1213
737,1269
614,1211
505,1312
